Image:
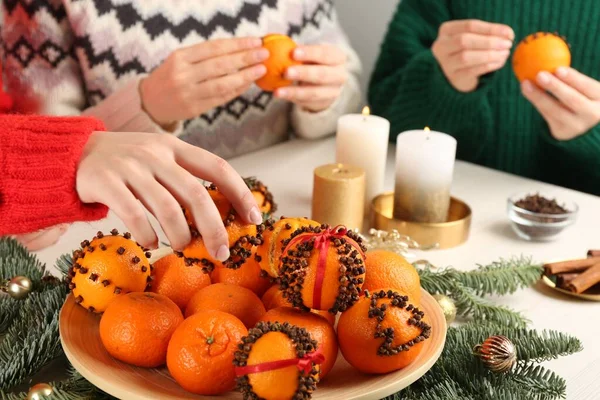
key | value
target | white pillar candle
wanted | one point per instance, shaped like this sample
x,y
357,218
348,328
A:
x,y
424,169
362,140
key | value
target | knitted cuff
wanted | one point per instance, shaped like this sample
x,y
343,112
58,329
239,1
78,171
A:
x,y
122,111
38,160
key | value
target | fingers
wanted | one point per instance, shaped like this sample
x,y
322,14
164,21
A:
x,y
230,83
476,57
452,28
318,74
566,94
548,107
320,54
42,239
589,87
203,164
472,41
227,64
481,69
165,208
216,48
116,196
307,94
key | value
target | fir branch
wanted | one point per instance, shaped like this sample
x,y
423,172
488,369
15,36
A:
x,y
541,383
64,263
468,303
34,332
498,278
534,346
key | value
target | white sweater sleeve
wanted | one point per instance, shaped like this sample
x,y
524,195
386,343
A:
x,y
316,125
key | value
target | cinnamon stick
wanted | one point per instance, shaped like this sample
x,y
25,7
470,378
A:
x,y
593,253
571,266
562,280
586,280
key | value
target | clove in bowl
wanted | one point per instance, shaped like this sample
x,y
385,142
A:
x,y
536,217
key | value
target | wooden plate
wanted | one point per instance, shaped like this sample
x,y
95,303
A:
x,y
81,342
592,294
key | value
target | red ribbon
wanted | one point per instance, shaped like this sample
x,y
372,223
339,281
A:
x,y
322,241
304,364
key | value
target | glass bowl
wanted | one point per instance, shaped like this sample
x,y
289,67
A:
x,y
537,226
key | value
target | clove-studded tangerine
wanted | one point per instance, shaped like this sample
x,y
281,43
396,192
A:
x,y
268,254
382,332
262,195
242,237
106,267
541,51
277,361
281,48
322,268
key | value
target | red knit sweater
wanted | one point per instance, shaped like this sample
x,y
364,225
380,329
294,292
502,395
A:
x,y
38,166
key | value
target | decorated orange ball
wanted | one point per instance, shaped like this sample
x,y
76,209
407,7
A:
x,y
539,52
280,59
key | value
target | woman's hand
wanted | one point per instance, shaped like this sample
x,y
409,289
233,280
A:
x,y
574,106
161,171
198,78
468,49
41,239
320,79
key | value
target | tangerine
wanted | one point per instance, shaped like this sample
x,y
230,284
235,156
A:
x,y
232,299
261,194
285,344
136,328
273,298
386,269
382,333
542,51
176,280
108,266
200,354
281,49
275,238
318,327
322,269
248,276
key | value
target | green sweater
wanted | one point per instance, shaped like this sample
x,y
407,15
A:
x,y
495,125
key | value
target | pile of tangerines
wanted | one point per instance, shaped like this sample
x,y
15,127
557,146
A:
x,y
270,319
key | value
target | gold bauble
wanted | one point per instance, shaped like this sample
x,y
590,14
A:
x,y
498,353
447,305
18,287
39,391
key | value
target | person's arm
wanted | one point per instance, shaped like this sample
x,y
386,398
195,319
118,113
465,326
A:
x,y
38,160
409,88
311,125
49,80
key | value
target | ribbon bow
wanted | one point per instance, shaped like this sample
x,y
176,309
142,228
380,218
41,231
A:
x,y
304,364
322,241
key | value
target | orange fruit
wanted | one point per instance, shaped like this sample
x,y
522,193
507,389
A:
x,y
107,267
539,52
272,342
248,276
136,328
281,48
176,280
232,299
386,269
223,205
382,333
200,354
275,238
261,194
343,269
273,298
318,327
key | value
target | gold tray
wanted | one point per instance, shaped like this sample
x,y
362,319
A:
x,y
448,234
590,294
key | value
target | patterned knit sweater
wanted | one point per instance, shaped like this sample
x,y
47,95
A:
x,y
494,125
66,57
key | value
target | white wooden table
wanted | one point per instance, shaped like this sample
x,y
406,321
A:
x,y
288,171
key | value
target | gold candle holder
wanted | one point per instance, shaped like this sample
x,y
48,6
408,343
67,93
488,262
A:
x,y
442,235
